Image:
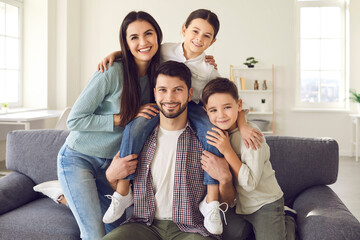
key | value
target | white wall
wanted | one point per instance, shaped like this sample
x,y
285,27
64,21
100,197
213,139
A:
x,y
260,28
51,53
68,38
35,52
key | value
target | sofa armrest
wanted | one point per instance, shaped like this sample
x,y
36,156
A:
x,y
322,215
16,190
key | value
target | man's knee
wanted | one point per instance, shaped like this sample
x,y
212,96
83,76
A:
x,y
134,231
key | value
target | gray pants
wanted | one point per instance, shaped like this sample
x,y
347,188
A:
x,y
267,223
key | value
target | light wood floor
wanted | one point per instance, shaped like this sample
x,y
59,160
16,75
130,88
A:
x,y
346,187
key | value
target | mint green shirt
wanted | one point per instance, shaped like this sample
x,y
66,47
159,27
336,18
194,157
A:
x,y
91,118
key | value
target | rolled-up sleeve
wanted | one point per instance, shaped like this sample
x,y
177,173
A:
x,y
253,162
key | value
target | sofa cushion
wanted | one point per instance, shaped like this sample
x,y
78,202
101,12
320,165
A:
x,y
34,153
16,190
40,219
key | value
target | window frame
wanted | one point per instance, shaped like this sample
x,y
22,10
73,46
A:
x,y
343,85
20,5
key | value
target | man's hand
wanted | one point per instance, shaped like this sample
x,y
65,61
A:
x,y
121,168
217,168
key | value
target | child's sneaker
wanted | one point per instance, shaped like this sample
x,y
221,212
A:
x,y
212,219
289,212
52,189
118,205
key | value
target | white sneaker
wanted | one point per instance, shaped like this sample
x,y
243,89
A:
x,y
52,189
118,205
212,219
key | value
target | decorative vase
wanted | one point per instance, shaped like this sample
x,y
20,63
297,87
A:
x,y
358,107
264,85
256,85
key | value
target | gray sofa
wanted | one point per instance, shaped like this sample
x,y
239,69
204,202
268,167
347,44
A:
x,y
304,166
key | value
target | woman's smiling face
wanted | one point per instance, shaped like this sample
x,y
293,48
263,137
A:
x,y
142,41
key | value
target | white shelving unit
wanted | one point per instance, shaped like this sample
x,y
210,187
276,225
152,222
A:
x,y
244,79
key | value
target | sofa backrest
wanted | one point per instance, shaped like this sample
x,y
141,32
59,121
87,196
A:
x,y
301,163
34,153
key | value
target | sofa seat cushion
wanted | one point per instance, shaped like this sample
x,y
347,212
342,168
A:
x,y
39,219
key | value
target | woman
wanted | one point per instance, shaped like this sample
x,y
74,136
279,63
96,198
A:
x,y
107,104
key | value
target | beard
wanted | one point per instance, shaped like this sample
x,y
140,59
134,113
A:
x,y
172,114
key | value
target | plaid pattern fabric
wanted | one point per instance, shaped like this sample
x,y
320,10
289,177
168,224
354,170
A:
x,y
189,190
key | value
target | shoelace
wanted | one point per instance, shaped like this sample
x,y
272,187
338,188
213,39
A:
x,y
222,211
112,198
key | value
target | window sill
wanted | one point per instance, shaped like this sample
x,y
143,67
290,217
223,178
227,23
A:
x,y
17,110
322,110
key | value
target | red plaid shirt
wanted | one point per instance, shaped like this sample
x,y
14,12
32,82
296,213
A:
x,y
189,189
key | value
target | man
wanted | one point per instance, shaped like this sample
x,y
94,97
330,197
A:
x,y
169,184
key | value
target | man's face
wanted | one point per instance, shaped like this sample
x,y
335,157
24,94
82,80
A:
x,y
171,95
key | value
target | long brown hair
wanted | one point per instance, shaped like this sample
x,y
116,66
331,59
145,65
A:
x,y
131,93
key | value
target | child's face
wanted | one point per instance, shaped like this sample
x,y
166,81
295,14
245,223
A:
x,y
199,35
223,110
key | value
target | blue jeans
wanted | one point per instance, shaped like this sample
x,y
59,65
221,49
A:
x,y
83,181
138,130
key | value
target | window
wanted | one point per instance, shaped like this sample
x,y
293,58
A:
x,y
321,48
10,52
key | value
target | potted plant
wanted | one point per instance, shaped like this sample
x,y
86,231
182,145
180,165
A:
x,y
355,97
250,62
5,107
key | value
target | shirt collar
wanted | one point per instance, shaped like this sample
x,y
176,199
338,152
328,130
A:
x,y
180,52
187,128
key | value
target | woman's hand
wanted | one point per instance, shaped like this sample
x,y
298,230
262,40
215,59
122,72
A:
x,y
219,139
251,136
117,119
211,60
108,59
147,111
